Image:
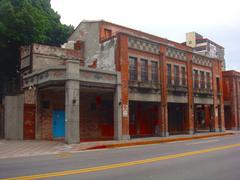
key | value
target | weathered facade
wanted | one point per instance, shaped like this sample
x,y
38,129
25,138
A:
x,y
231,94
110,81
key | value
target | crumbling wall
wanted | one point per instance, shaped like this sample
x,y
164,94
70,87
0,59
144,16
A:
x,y
94,52
107,55
37,57
45,56
89,33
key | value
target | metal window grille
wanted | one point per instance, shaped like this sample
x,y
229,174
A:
x,y
144,70
183,76
154,72
202,83
208,80
195,72
133,68
176,75
169,74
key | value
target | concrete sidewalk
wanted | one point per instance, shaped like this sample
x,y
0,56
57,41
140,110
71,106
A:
x,y
20,148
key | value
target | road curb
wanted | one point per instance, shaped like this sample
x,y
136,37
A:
x,y
158,141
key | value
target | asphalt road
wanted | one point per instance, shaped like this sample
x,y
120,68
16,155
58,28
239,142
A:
x,y
203,159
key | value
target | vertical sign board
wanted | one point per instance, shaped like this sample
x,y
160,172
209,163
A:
x,y
125,110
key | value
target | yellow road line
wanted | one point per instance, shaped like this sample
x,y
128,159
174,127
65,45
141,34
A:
x,y
124,164
64,154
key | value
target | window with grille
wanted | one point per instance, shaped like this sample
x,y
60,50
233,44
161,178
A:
x,y
132,68
144,70
176,75
169,74
202,78
183,76
208,80
154,71
195,76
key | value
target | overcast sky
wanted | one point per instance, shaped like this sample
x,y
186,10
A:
x,y
218,20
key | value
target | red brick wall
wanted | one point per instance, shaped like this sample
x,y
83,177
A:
x,y
96,121
190,110
227,88
218,118
163,111
54,100
122,66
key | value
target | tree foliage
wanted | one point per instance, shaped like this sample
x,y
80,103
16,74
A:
x,y
23,22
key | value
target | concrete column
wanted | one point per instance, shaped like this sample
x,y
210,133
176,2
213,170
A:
x,y
13,116
190,113
72,98
163,111
118,109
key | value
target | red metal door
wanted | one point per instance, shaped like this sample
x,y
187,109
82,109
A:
x,y
29,122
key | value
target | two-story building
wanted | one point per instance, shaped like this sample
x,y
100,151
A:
x,y
113,82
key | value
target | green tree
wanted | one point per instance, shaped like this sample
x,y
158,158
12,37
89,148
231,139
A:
x,y
23,22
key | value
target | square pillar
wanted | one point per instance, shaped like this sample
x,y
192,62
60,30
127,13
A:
x,y
72,98
215,122
221,101
238,101
118,109
234,122
190,106
122,66
163,107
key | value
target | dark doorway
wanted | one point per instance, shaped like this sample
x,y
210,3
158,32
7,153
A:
x,y
176,118
143,118
227,117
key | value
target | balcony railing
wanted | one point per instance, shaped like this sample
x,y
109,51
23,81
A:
x,y
177,88
203,91
144,84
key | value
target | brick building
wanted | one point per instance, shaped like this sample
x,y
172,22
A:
x,y
231,94
110,81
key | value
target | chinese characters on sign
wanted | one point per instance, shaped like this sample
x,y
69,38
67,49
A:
x,y
125,110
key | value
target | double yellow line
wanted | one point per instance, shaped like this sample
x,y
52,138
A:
x,y
124,164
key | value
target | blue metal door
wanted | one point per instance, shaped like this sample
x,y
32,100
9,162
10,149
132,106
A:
x,y
58,123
